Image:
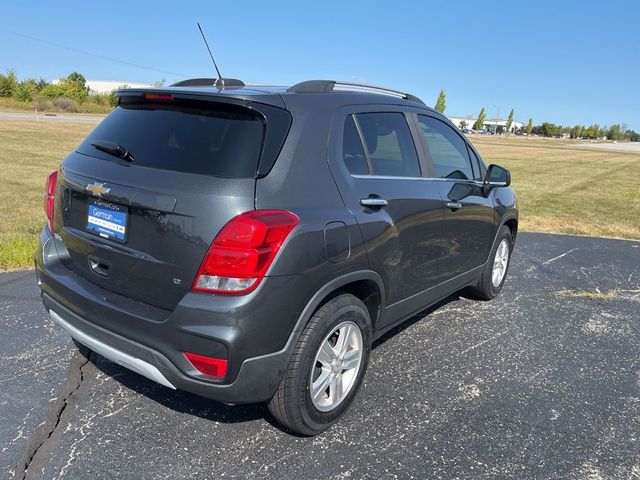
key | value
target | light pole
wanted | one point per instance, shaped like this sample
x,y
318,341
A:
x,y
495,131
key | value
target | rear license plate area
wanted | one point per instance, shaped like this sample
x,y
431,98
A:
x,y
107,220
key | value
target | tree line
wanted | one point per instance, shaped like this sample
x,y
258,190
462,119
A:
x,y
616,132
70,93
71,90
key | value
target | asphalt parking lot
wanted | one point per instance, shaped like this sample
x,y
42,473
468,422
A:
x,y
542,382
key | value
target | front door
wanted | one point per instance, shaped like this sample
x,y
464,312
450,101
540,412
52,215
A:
x,y
469,217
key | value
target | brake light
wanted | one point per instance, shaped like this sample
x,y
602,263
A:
x,y
158,97
49,196
210,366
243,251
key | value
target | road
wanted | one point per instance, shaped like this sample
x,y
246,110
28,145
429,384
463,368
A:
x,y
542,382
627,147
50,117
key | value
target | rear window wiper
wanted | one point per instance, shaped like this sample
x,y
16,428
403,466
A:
x,y
113,149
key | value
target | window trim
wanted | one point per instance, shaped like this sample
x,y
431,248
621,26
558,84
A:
x,y
482,165
365,148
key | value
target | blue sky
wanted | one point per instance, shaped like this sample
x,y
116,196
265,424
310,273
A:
x,y
561,61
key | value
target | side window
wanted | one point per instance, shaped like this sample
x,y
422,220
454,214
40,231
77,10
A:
x,y
478,170
352,150
389,144
447,149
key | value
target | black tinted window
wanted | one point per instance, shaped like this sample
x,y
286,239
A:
x,y
352,149
389,143
447,149
214,141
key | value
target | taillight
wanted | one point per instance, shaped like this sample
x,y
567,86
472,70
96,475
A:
x,y
49,196
242,252
158,97
210,366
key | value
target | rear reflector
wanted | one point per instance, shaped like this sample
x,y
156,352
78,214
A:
x,y
49,197
210,366
158,97
243,251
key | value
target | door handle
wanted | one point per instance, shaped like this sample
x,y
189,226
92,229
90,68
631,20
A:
x,y
454,205
373,202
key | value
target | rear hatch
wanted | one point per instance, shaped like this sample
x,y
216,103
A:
x,y
142,198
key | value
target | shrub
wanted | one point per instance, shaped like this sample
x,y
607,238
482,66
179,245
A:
x,y
42,104
66,90
65,104
25,91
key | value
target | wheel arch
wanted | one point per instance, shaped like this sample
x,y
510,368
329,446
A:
x,y
512,223
366,285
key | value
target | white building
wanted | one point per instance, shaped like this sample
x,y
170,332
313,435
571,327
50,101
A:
x,y
108,86
489,123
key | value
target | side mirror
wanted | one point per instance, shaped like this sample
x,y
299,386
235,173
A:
x,y
497,176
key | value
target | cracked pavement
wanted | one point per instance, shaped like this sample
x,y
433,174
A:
x,y
542,382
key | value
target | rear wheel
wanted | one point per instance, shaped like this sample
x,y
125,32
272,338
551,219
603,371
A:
x,y
326,368
495,271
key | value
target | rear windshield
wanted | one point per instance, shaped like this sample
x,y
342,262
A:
x,y
217,140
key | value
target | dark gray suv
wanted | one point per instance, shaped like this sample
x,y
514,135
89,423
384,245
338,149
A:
x,y
248,244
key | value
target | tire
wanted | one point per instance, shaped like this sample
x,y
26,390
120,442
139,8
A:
x,y
292,405
486,289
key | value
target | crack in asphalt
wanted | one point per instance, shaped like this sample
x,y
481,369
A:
x,y
42,440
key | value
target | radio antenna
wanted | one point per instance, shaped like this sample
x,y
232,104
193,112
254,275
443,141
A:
x,y
220,79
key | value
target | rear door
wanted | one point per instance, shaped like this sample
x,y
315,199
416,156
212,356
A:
x,y
469,214
141,225
400,213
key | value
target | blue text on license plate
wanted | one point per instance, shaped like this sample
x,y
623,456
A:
x,y
107,222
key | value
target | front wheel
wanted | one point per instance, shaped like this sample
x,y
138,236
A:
x,y
495,271
326,368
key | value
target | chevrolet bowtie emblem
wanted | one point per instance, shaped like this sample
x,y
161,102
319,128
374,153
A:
x,y
97,189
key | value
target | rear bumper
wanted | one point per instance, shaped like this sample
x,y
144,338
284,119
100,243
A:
x,y
254,332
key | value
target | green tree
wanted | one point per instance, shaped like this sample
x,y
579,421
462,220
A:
x,y
77,79
632,136
41,83
160,83
479,124
441,103
509,121
530,126
550,130
576,132
614,132
594,131
8,83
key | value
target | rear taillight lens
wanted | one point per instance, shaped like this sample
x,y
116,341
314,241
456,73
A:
x,y
49,196
213,367
158,97
242,252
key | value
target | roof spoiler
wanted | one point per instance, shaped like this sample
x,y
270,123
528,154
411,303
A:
x,y
321,86
210,82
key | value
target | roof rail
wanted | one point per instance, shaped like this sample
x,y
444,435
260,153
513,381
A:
x,y
210,82
320,86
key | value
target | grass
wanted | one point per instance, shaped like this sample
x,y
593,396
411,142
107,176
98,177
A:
x,y
572,190
30,150
560,188
611,294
